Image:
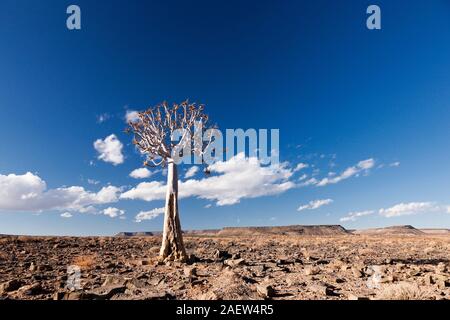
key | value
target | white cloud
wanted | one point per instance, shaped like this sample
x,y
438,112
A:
x,y
66,215
352,216
315,204
233,180
191,172
113,212
209,205
301,166
148,215
110,149
395,164
411,208
361,166
309,182
131,116
140,173
28,192
103,117
92,181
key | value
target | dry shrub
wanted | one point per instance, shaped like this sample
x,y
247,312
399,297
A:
x,y
229,286
85,262
403,291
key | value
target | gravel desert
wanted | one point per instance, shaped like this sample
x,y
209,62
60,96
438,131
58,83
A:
x,y
322,262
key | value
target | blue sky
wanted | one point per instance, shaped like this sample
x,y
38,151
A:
x,y
338,92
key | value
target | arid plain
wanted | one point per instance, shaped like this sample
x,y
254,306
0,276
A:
x,y
296,262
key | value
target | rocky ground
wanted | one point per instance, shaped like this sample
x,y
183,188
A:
x,y
270,267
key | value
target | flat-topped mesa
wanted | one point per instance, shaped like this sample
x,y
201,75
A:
x,y
392,230
306,230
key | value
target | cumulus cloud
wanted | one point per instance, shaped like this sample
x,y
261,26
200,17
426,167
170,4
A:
x,y
353,216
191,172
232,180
301,166
28,192
131,116
315,204
66,215
113,212
110,149
140,173
148,215
411,208
361,166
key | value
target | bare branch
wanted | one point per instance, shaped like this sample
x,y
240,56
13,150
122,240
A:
x,y
155,126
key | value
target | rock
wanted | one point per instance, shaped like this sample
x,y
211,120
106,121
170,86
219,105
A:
x,y
344,267
259,269
234,263
442,284
32,289
106,292
293,282
357,272
441,267
192,259
159,296
190,272
32,267
71,296
58,295
340,280
354,297
113,281
221,255
414,273
143,262
9,286
310,271
428,280
322,289
135,283
387,279
265,290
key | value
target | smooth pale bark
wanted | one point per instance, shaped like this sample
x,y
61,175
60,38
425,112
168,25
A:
x,y
172,247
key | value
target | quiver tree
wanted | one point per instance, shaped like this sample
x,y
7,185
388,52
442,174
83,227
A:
x,y
154,133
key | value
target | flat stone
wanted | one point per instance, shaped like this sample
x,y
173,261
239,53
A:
x,y
9,286
309,271
265,290
234,263
357,272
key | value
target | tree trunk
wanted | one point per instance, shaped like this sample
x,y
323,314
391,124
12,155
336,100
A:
x,y
172,247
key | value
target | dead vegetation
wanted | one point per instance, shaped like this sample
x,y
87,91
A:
x,y
85,262
404,291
